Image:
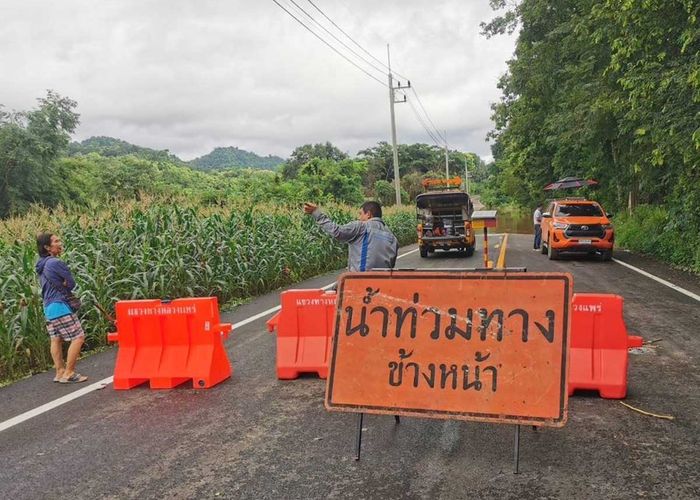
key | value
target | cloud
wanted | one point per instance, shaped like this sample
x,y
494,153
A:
x,y
189,76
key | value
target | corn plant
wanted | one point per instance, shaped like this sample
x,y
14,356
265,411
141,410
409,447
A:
x,y
159,249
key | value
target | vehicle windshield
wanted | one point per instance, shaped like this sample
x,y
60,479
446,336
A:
x,y
454,199
587,210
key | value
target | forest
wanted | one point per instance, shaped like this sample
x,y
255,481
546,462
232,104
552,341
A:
x,y
40,166
608,90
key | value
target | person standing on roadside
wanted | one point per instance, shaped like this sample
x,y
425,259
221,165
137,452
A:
x,y
62,323
537,222
371,244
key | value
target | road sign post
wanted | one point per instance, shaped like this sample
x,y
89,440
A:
x,y
487,346
484,219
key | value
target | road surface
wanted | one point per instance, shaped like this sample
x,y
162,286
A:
x,y
256,437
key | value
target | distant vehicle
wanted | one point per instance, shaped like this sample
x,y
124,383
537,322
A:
x,y
577,225
444,218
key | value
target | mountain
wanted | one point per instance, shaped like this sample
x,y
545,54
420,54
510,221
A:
x,y
222,158
109,146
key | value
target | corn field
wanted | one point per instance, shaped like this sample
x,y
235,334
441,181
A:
x,y
158,250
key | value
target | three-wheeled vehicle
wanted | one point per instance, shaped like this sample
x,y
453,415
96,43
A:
x,y
444,218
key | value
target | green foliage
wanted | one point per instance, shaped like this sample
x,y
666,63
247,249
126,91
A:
x,y
339,181
109,146
304,154
416,162
30,144
385,192
223,158
652,230
147,250
608,90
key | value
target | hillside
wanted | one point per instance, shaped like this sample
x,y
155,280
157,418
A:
x,y
109,146
222,158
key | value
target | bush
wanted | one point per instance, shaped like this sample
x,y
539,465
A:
x,y
653,231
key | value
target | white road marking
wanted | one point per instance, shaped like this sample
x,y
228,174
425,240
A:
x,y
54,404
106,381
659,280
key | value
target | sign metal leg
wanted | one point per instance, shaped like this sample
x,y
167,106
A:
x,y
397,419
358,444
517,450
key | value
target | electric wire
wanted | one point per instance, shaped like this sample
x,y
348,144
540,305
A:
x,y
359,56
422,122
330,46
444,139
353,40
434,133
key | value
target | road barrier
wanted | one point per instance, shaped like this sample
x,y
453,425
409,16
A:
x,y
599,342
304,327
167,343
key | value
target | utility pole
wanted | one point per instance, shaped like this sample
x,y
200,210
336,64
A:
x,y
466,175
447,159
392,101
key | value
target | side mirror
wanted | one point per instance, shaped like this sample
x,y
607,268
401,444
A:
x,y
546,215
609,216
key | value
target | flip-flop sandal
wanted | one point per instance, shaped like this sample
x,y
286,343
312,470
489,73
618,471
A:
x,y
76,378
57,379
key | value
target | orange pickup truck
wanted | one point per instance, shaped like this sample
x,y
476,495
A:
x,y
577,225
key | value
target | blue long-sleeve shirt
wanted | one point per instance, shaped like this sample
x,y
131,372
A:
x,y
371,245
54,273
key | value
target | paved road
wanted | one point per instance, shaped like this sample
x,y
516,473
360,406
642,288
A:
x,y
256,437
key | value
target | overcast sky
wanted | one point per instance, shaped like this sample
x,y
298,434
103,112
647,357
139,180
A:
x,y
189,75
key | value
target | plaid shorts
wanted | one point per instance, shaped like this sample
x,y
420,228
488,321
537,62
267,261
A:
x,y
66,327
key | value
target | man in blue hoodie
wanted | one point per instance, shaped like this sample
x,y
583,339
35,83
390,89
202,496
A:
x,y
371,244
62,323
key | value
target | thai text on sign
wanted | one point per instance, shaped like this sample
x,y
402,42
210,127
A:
x,y
488,346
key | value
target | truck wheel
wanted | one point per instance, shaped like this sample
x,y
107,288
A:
x,y
424,252
551,253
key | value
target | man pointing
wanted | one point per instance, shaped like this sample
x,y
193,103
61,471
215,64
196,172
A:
x,y
371,245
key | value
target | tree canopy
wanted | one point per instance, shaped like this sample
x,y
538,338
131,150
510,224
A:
x,y
609,90
30,144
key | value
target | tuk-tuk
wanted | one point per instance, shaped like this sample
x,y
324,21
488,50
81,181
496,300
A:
x,y
444,218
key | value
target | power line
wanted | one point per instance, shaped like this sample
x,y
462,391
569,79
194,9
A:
x,y
329,45
427,115
353,40
434,133
369,63
422,122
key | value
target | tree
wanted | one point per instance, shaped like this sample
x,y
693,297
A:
x,y
306,153
339,181
30,144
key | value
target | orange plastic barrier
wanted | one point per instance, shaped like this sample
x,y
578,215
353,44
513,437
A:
x,y
599,343
304,329
169,343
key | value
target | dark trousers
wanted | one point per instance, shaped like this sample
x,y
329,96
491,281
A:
x,y
538,236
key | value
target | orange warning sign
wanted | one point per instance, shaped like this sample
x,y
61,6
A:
x,y
486,346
